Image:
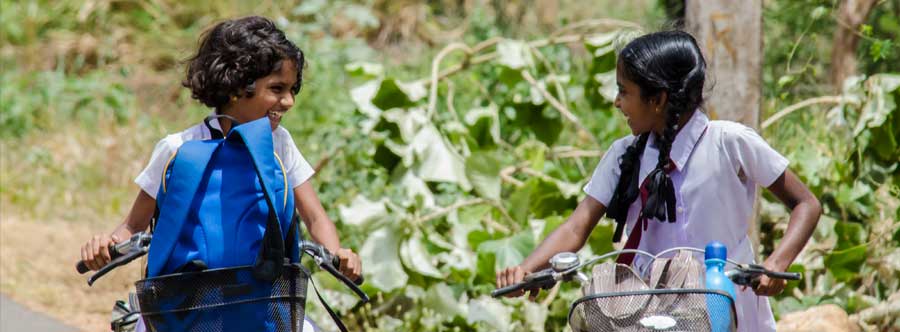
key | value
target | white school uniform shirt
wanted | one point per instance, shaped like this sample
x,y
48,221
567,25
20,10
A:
x,y
296,167
718,165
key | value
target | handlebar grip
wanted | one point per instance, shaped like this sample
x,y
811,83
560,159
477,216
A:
x,y
82,267
784,275
336,262
510,289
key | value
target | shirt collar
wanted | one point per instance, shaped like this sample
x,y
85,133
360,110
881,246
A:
x,y
686,139
215,122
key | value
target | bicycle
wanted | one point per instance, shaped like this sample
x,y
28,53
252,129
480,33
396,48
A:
x,y
648,308
230,288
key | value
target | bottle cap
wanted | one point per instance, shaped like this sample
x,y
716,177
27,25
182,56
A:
x,y
716,250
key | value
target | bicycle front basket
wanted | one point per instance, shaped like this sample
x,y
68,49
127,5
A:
x,y
225,299
662,310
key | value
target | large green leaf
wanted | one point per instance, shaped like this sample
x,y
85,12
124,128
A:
x,y
514,54
880,100
844,264
382,249
394,94
417,258
441,299
850,234
362,97
364,69
438,161
541,121
535,316
361,211
508,251
408,122
416,190
490,312
547,199
539,198
601,237
856,199
483,171
484,125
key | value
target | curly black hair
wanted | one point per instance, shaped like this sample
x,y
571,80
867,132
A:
x,y
234,54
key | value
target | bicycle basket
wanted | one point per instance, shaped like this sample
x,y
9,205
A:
x,y
683,310
226,299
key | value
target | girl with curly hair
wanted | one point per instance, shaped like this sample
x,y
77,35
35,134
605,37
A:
x,y
245,69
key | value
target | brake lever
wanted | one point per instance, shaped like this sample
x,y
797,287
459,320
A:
x,y
326,261
119,261
121,253
748,274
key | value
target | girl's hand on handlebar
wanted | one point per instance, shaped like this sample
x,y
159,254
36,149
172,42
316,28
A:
x,y
767,286
514,275
95,253
351,266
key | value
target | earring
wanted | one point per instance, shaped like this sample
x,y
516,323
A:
x,y
233,98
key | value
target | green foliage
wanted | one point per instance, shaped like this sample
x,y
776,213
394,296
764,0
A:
x,y
439,192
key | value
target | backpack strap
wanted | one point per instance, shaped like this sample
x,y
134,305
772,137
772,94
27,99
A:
x,y
189,166
257,136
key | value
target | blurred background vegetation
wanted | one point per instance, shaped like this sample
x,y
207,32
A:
x,y
436,188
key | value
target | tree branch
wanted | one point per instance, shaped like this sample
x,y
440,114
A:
x,y
435,69
566,113
812,101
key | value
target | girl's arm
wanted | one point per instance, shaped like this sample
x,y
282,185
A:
x,y
570,236
95,253
322,229
805,212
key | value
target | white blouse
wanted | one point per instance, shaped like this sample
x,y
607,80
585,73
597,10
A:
x,y
718,165
296,167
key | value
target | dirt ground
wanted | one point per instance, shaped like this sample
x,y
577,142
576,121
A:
x,y
37,269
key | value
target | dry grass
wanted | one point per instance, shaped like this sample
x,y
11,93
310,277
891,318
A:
x,y
37,269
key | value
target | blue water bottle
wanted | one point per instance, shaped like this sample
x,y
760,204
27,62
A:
x,y
719,308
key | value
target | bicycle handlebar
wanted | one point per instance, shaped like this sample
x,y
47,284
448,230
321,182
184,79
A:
x,y
139,244
742,274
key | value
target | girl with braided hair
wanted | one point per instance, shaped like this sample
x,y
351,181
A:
x,y
695,177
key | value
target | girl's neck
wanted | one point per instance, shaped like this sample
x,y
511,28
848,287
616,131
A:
x,y
682,120
224,122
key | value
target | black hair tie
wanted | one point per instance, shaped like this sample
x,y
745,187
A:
x,y
661,199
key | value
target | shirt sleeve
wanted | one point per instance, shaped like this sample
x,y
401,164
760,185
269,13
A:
x,y
149,179
759,161
605,177
298,170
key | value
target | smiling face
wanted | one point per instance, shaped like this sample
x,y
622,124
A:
x,y
272,97
643,115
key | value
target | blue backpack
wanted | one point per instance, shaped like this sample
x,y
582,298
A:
x,y
226,230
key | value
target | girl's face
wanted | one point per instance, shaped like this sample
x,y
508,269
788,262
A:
x,y
642,115
272,97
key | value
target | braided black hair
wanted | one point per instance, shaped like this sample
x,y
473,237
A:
x,y
234,54
669,62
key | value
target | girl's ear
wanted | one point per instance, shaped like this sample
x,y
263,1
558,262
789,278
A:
x,y
661,99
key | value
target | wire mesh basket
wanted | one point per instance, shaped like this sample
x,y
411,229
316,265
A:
x,y
654,310
222,300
